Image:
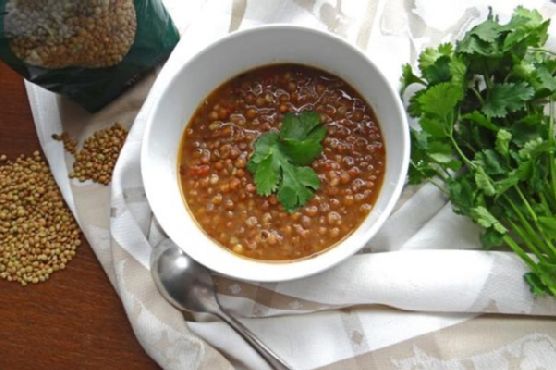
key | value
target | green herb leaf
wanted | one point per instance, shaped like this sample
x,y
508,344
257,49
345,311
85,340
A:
x,y
414,107
298,186
458,69
484,182
480,119
267,175
434,127
441,99
487,31
484,218
527,28
502,144
487,136
462,194
491,162
544,82
506,98
430,55
298,126
492,239
277,159
301,137
409,78
535,284
263,148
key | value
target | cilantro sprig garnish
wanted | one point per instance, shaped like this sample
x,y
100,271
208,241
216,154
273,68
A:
x,y
487,135
279,160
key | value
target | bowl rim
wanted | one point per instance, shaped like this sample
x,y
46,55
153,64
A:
x,y
311,265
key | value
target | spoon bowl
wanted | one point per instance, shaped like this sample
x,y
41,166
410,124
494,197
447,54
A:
x,y
188,286
184,283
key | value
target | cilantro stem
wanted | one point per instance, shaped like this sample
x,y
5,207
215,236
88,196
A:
x,y
460,152
441,171
478,95
486,76
440,186
552,138
542,51
456,145
548,247
530,231
546,202
525,237
526,203
519,251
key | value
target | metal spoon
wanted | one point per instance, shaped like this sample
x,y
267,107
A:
x,y
188,286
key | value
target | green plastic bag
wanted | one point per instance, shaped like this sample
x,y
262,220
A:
x,y
87,50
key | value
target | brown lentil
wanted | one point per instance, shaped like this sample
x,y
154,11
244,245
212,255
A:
x,y
38,234
216,149
70,144
63,33
96,160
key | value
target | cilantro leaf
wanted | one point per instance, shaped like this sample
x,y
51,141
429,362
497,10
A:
x,y
458,69
487,31
439,71
440,99
502,144
480,119
277,159
304,151
507,97
527,28
434,127
462,193
262,149
267,175
298,186
491,239
482,39
491,162
487,136
301,137
484,182
535,284
544,82
430,55
409,78
484,218
298,126
414,107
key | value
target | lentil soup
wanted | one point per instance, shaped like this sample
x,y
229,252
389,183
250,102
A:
x,y
218,141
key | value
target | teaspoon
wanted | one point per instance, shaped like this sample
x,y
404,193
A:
x,y
188,286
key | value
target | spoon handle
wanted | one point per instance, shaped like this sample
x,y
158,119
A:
x,y
262,349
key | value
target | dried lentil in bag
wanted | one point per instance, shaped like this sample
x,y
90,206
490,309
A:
x,y
87,50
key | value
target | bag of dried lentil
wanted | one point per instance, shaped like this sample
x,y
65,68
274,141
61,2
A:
x,y
87,50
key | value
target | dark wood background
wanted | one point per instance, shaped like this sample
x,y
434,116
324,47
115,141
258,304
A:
x,y
74,320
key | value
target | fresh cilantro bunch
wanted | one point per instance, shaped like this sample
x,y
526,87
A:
x,y
279,160
487,135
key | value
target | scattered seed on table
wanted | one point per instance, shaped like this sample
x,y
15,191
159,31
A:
x,y
70,144
38,234
96,160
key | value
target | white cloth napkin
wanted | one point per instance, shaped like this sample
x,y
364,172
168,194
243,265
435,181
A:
x,y
419,285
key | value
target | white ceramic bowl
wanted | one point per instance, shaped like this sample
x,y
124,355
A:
x,y
225,59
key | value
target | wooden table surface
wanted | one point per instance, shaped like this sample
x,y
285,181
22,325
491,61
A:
x,y
74,320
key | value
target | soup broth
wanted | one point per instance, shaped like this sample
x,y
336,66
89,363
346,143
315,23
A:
x,y
218,141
